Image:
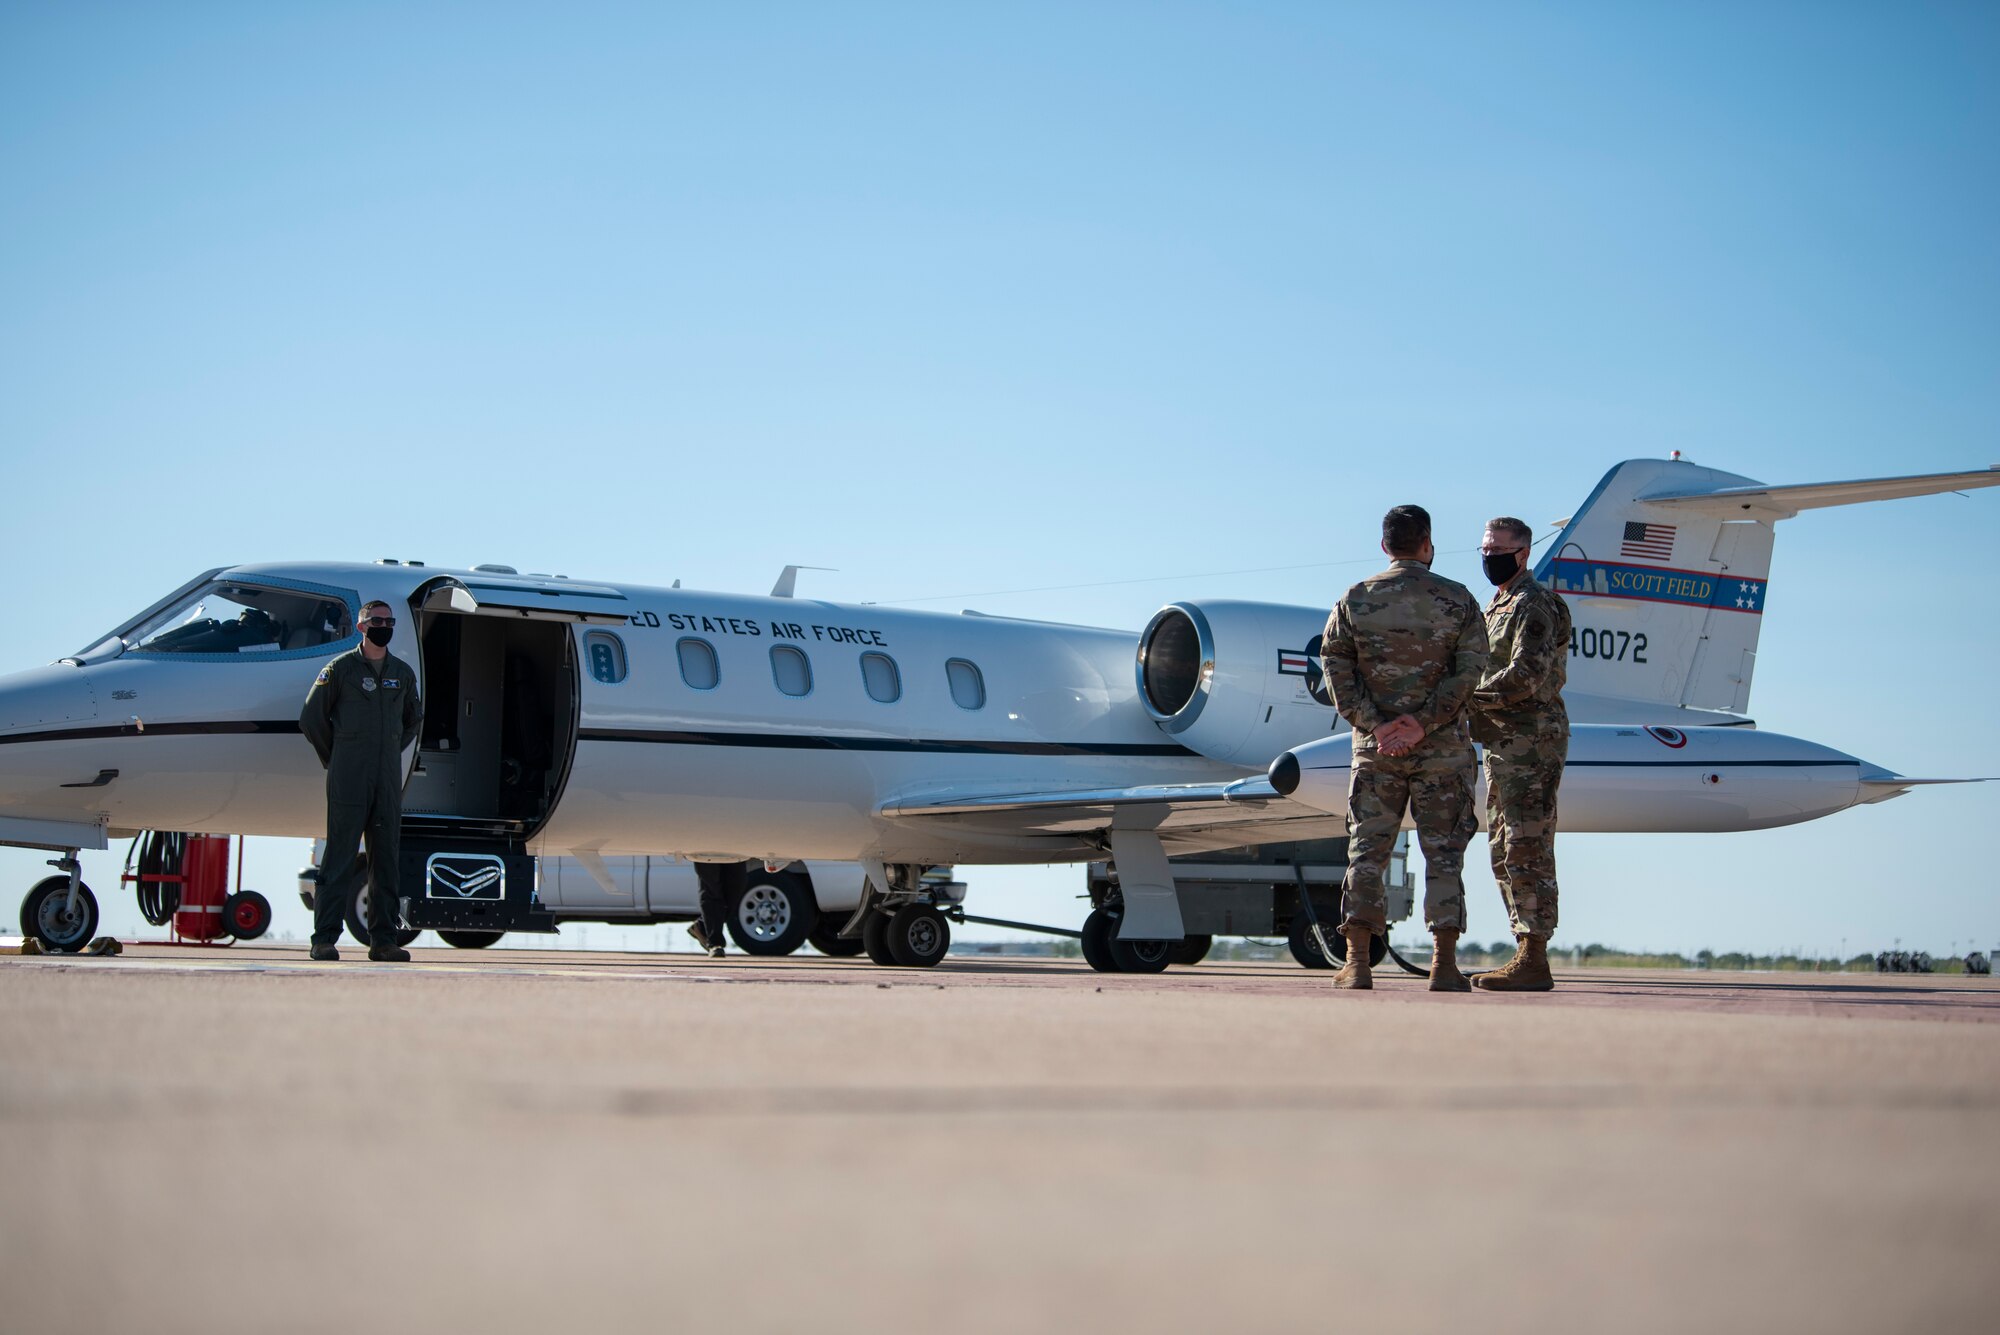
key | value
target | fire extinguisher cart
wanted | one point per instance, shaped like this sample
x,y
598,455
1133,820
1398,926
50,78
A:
x,y
182,881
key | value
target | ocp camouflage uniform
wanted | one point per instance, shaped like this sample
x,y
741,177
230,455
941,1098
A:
x,y
360,717
1518,715
1407,641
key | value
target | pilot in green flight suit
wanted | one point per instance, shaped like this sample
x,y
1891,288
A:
x,y
361,714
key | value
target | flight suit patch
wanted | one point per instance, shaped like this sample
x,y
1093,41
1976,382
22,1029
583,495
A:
x,y
367,683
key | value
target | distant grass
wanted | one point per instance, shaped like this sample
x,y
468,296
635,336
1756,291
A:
x,y
1603,957
1477,956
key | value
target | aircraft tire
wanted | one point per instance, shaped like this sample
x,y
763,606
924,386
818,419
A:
x,y
247,915
27,916
826,939
773,915
357,921
1191,950
918,936
45,915
1097,929
1306,950
1142,956
469,940
875,938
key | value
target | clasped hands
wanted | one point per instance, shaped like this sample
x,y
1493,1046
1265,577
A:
x,y
1398,736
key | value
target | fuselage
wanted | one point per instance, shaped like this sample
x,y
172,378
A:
x,y
677,721
615,719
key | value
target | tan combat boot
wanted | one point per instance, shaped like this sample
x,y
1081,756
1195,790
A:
x,y
1355,974
1445,976
1528,971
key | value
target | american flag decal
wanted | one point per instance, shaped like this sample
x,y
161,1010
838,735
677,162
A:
x,y
1653,542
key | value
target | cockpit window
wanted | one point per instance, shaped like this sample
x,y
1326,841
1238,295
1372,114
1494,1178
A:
x,y
233,618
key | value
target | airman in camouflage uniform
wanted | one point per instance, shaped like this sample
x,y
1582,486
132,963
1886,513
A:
x,y
1518,715
1403,651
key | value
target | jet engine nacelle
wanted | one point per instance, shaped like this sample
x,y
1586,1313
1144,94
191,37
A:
x,y
1238,682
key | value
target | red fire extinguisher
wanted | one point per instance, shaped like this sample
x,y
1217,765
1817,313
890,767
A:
x,y
184,878
204,888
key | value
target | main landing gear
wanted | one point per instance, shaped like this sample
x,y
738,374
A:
x,y
901,927
1106,953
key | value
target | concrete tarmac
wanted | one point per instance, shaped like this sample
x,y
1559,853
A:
x,y
224,1140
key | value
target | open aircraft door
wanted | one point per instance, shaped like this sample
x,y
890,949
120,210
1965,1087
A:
x,y
498,659
531,597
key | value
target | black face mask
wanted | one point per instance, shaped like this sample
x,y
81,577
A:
x,y
379,636
1501,566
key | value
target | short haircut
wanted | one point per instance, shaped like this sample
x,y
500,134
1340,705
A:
x,y
1406,529
1509,527
375,603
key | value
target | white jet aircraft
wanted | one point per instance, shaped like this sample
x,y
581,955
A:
x,y
571,717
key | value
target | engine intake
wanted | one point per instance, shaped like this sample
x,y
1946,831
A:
x,y
1233,680
1176,663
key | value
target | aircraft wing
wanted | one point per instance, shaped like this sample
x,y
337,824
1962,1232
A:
x,y
1788,501
1188,818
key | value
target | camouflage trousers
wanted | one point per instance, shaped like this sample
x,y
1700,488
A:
x,y
1522,775
1435,785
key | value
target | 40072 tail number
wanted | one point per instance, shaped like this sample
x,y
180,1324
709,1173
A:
x,y
1615,646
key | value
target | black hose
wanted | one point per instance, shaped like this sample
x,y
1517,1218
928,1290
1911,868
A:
x,y
1409,967
1305,900
1425,973
160,853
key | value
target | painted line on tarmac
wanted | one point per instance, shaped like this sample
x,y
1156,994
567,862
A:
x,y
111,964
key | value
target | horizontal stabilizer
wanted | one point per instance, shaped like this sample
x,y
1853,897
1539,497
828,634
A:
x,y
1784,502
1882,788
1667,573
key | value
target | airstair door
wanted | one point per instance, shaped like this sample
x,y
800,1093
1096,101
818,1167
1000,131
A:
x,y
501,699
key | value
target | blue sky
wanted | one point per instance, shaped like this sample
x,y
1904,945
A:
x,y
967,299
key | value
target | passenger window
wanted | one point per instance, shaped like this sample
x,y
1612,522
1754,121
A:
x,y
968,688
698,667
230,618
879,675
607,656
791,670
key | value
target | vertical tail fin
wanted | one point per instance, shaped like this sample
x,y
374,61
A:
x,y
1666,568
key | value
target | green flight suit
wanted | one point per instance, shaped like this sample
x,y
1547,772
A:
x,y
360,717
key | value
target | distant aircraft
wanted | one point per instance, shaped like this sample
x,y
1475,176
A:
x,y
593,719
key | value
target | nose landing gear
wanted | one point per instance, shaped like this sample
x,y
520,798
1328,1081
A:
x,y
61,911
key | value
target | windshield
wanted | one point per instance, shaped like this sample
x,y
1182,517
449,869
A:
x,y
230,617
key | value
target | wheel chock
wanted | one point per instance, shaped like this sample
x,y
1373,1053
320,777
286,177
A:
x,y
104,945
26,945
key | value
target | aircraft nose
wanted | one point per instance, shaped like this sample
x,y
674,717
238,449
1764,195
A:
x,y
45,698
